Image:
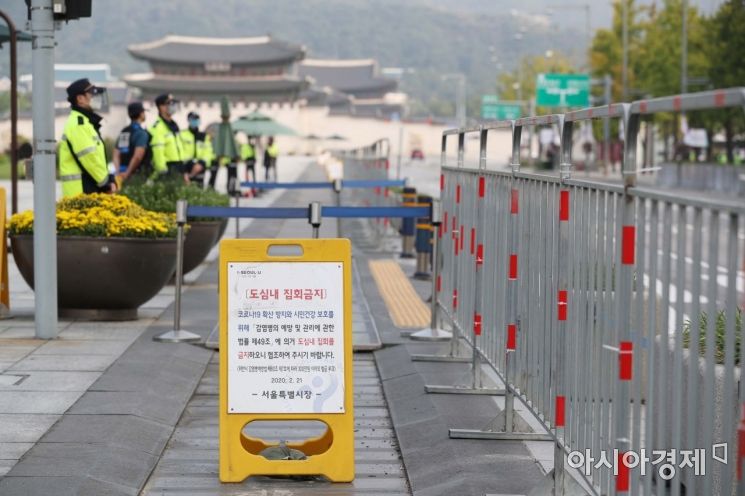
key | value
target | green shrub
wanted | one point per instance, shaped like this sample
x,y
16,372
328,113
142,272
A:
x,y
161,196
719,328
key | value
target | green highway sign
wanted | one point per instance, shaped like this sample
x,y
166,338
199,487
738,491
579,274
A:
x,y
562,90
489,99
501,111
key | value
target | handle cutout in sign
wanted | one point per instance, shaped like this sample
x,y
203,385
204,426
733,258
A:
x,y
285,251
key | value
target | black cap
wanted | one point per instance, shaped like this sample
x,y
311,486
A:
x,y
164,98
80,87
134,109
192,115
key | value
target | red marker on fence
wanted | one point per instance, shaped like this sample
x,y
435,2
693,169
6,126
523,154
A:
x,y
479,254
622,479
514,201
560,411
513,267
628,241
511,337
442,182
477,324
625,358
455,299
562,305
564,206
482,186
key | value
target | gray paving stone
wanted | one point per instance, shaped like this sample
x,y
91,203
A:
x,y
82,347
114,464
24,428
13,451
124,431
13,353
83,333
81,363
45,402
158,407
61,486
5,466
49,381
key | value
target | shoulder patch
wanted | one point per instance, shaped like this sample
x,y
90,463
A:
x,y
81,121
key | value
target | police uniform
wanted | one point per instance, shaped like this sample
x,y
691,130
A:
x,y
132,137
248,155
83,166
165,143
196,146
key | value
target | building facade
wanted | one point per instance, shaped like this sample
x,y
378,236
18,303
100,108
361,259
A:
x,y
252,70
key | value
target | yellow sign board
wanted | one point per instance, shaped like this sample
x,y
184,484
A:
x,y
286,353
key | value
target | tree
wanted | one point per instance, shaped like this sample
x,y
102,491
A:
x,y
520,83
724,50
606,50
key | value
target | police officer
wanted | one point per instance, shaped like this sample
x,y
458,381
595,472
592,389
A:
x,y
83,167
248,155
195,143
165,140
132,152
270,159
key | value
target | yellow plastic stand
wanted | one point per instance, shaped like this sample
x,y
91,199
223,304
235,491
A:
x,y
330,455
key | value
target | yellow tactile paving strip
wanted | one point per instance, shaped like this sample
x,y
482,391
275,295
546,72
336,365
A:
x,y
405,307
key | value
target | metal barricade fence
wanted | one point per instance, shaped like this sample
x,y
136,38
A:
x,y
371,163
610,310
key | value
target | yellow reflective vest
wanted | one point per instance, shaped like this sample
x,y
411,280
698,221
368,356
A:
x,y
194,149
247,151
82,156
166,146
273,150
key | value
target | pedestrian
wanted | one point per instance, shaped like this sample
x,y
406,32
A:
x,y
194,144
83,166
165,140
132,154
248,155
270,159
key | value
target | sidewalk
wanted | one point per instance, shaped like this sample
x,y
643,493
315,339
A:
x,y
104,410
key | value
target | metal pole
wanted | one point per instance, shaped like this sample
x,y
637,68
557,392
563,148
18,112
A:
x,y
337,190
684,51
400,149
625,50
314,217
13,114
434,333
237,219
530,132
588,33
606,124
177,335
45,236
461,104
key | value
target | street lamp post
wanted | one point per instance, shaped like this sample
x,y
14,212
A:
x,y
684,51
45,237
460,97
625,50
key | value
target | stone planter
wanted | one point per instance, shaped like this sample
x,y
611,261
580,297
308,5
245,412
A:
x,y
665,408
102,278
223,227
199,240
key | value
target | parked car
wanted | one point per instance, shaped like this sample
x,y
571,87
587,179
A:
x,y
417,154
